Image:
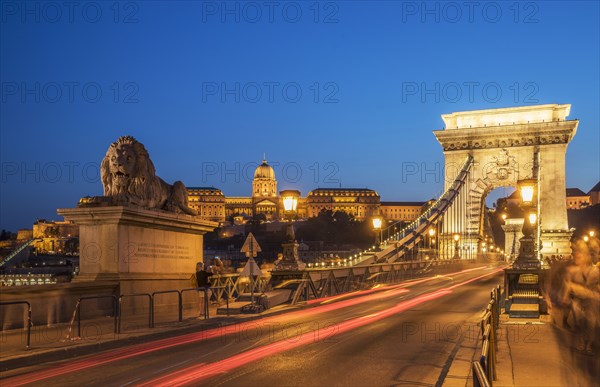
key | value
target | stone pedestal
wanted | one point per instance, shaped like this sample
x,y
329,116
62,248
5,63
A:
x,y
291,259
555,243
143,250
513,232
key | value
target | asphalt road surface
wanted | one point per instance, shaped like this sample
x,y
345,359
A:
x,y
402,334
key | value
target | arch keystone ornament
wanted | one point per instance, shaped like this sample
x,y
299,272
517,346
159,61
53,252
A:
x,y
507,145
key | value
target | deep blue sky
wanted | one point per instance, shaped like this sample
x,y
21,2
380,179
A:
x,y
166,58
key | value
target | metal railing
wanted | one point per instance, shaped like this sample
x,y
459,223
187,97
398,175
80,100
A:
x,y
117,310
78,310
150,312
29,323
179,302
318,283
205,312
231,286
18,250
484,371
479,378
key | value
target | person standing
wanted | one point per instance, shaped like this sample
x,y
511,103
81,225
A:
x,y
217,266
203,283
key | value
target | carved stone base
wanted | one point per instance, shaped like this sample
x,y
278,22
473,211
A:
x,y
291,259
121,242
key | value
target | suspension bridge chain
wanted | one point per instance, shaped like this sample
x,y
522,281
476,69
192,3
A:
x,y
398,243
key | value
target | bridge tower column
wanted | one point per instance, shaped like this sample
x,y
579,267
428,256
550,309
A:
x,y
555,235
508,145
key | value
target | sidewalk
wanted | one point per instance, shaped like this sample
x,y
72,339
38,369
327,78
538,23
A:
x,y
61,341
531,352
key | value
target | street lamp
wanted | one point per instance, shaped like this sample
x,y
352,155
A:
x,y
592,233
527,187
290,261
527,254
456,238
586,238
290,202
377,227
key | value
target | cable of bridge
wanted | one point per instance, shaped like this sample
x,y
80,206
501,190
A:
x,y
409,236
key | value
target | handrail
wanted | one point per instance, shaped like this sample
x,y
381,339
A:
x,y
485,371
29,323
179,300
78,310
479,378
18,250
150,313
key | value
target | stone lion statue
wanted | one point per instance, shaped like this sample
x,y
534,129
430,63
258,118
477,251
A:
x,y
128,176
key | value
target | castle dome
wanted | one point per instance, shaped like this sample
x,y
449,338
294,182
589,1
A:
x,y
264,171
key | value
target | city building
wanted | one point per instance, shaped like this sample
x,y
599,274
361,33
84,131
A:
x,y
209,202
55,237
401,211
577,199
594,194
360,203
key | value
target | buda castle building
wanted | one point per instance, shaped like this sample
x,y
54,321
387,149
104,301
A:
x,y
360,203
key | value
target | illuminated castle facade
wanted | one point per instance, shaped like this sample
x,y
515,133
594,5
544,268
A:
x,y
361,203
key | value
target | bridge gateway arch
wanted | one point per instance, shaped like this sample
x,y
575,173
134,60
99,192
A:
x,y
500,147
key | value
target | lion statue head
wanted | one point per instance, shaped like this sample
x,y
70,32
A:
x,y
128,176
127,170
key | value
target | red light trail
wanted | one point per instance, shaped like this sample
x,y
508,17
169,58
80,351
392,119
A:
x,y
199,372
140,349
203,371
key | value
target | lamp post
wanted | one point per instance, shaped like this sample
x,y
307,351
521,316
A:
x,y
431,234
377,227
527,251
290,260
456,253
